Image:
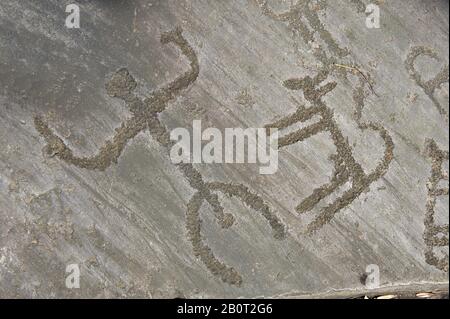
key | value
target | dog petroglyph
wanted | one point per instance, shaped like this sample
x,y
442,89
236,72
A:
x,y
346,168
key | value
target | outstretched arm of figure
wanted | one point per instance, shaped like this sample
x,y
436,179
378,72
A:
x,y
158,99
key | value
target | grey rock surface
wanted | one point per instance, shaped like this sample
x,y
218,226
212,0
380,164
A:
x,y
86,177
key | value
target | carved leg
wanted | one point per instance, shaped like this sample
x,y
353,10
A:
x,y
193,223
201,250
340,176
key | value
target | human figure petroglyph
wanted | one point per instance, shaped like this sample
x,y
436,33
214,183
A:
x,y
430,86
346,168
145,116
302,18
145,112
436,235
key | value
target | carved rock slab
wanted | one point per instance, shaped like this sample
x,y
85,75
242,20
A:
x,y
86,178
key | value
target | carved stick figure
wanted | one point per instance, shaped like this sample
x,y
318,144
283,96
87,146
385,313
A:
x,y
145,116
144,112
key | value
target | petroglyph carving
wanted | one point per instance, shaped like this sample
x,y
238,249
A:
x,y
346,168
430,86
145,117
227,274
144,112
436,235
303,19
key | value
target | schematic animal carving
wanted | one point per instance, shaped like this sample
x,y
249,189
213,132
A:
x,y
346,168
145,117
436,235
430,86
303,19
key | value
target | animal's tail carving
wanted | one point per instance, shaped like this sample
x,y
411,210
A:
x,y
358,97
